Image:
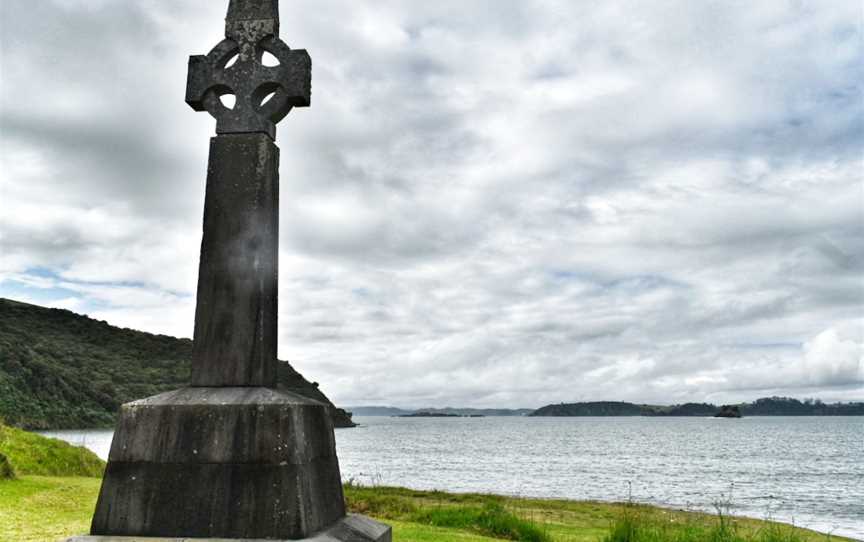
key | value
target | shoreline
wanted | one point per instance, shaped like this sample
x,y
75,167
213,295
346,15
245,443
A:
x,y
744,506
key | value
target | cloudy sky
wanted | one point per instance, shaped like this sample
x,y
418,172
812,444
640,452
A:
x,y
489,203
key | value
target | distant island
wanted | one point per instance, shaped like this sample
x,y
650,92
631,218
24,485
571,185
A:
x,y
438,415
767,406
405,412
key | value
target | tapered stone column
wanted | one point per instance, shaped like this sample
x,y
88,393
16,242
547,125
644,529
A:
x,y
235,319
230,457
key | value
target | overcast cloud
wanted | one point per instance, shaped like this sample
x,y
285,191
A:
x,y
489,203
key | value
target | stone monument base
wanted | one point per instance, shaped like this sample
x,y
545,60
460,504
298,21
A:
x,y
225,463
351,528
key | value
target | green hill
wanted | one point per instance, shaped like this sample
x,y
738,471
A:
x,y
61,370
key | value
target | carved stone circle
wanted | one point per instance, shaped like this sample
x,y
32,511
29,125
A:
x,y
263,94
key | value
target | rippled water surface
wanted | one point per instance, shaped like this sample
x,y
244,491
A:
x,y
806,470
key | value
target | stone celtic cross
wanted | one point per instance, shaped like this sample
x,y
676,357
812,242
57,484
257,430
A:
x,y
232,456
263,94
236,315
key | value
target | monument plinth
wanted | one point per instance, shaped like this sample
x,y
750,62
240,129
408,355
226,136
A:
x,y
231,457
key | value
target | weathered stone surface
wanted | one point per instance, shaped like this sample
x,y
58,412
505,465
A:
x,y
221,462
251,28
243,10
223,425
351,528
236,313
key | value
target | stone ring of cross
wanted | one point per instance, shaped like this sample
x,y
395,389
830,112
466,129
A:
x,y
263,94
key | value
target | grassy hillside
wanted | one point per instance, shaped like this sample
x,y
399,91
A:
x,y
61,370
31,454
35,507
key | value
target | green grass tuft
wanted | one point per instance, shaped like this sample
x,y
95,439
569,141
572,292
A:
x,y
492,520
641,524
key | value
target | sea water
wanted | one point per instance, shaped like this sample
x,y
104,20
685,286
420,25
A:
x,y
803,470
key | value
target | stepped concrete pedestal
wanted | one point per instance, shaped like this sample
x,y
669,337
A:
x,y
232,463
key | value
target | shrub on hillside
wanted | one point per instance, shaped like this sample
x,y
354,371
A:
x,y
6,470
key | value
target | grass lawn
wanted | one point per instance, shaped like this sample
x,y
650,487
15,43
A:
x,y
570,521
41,509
